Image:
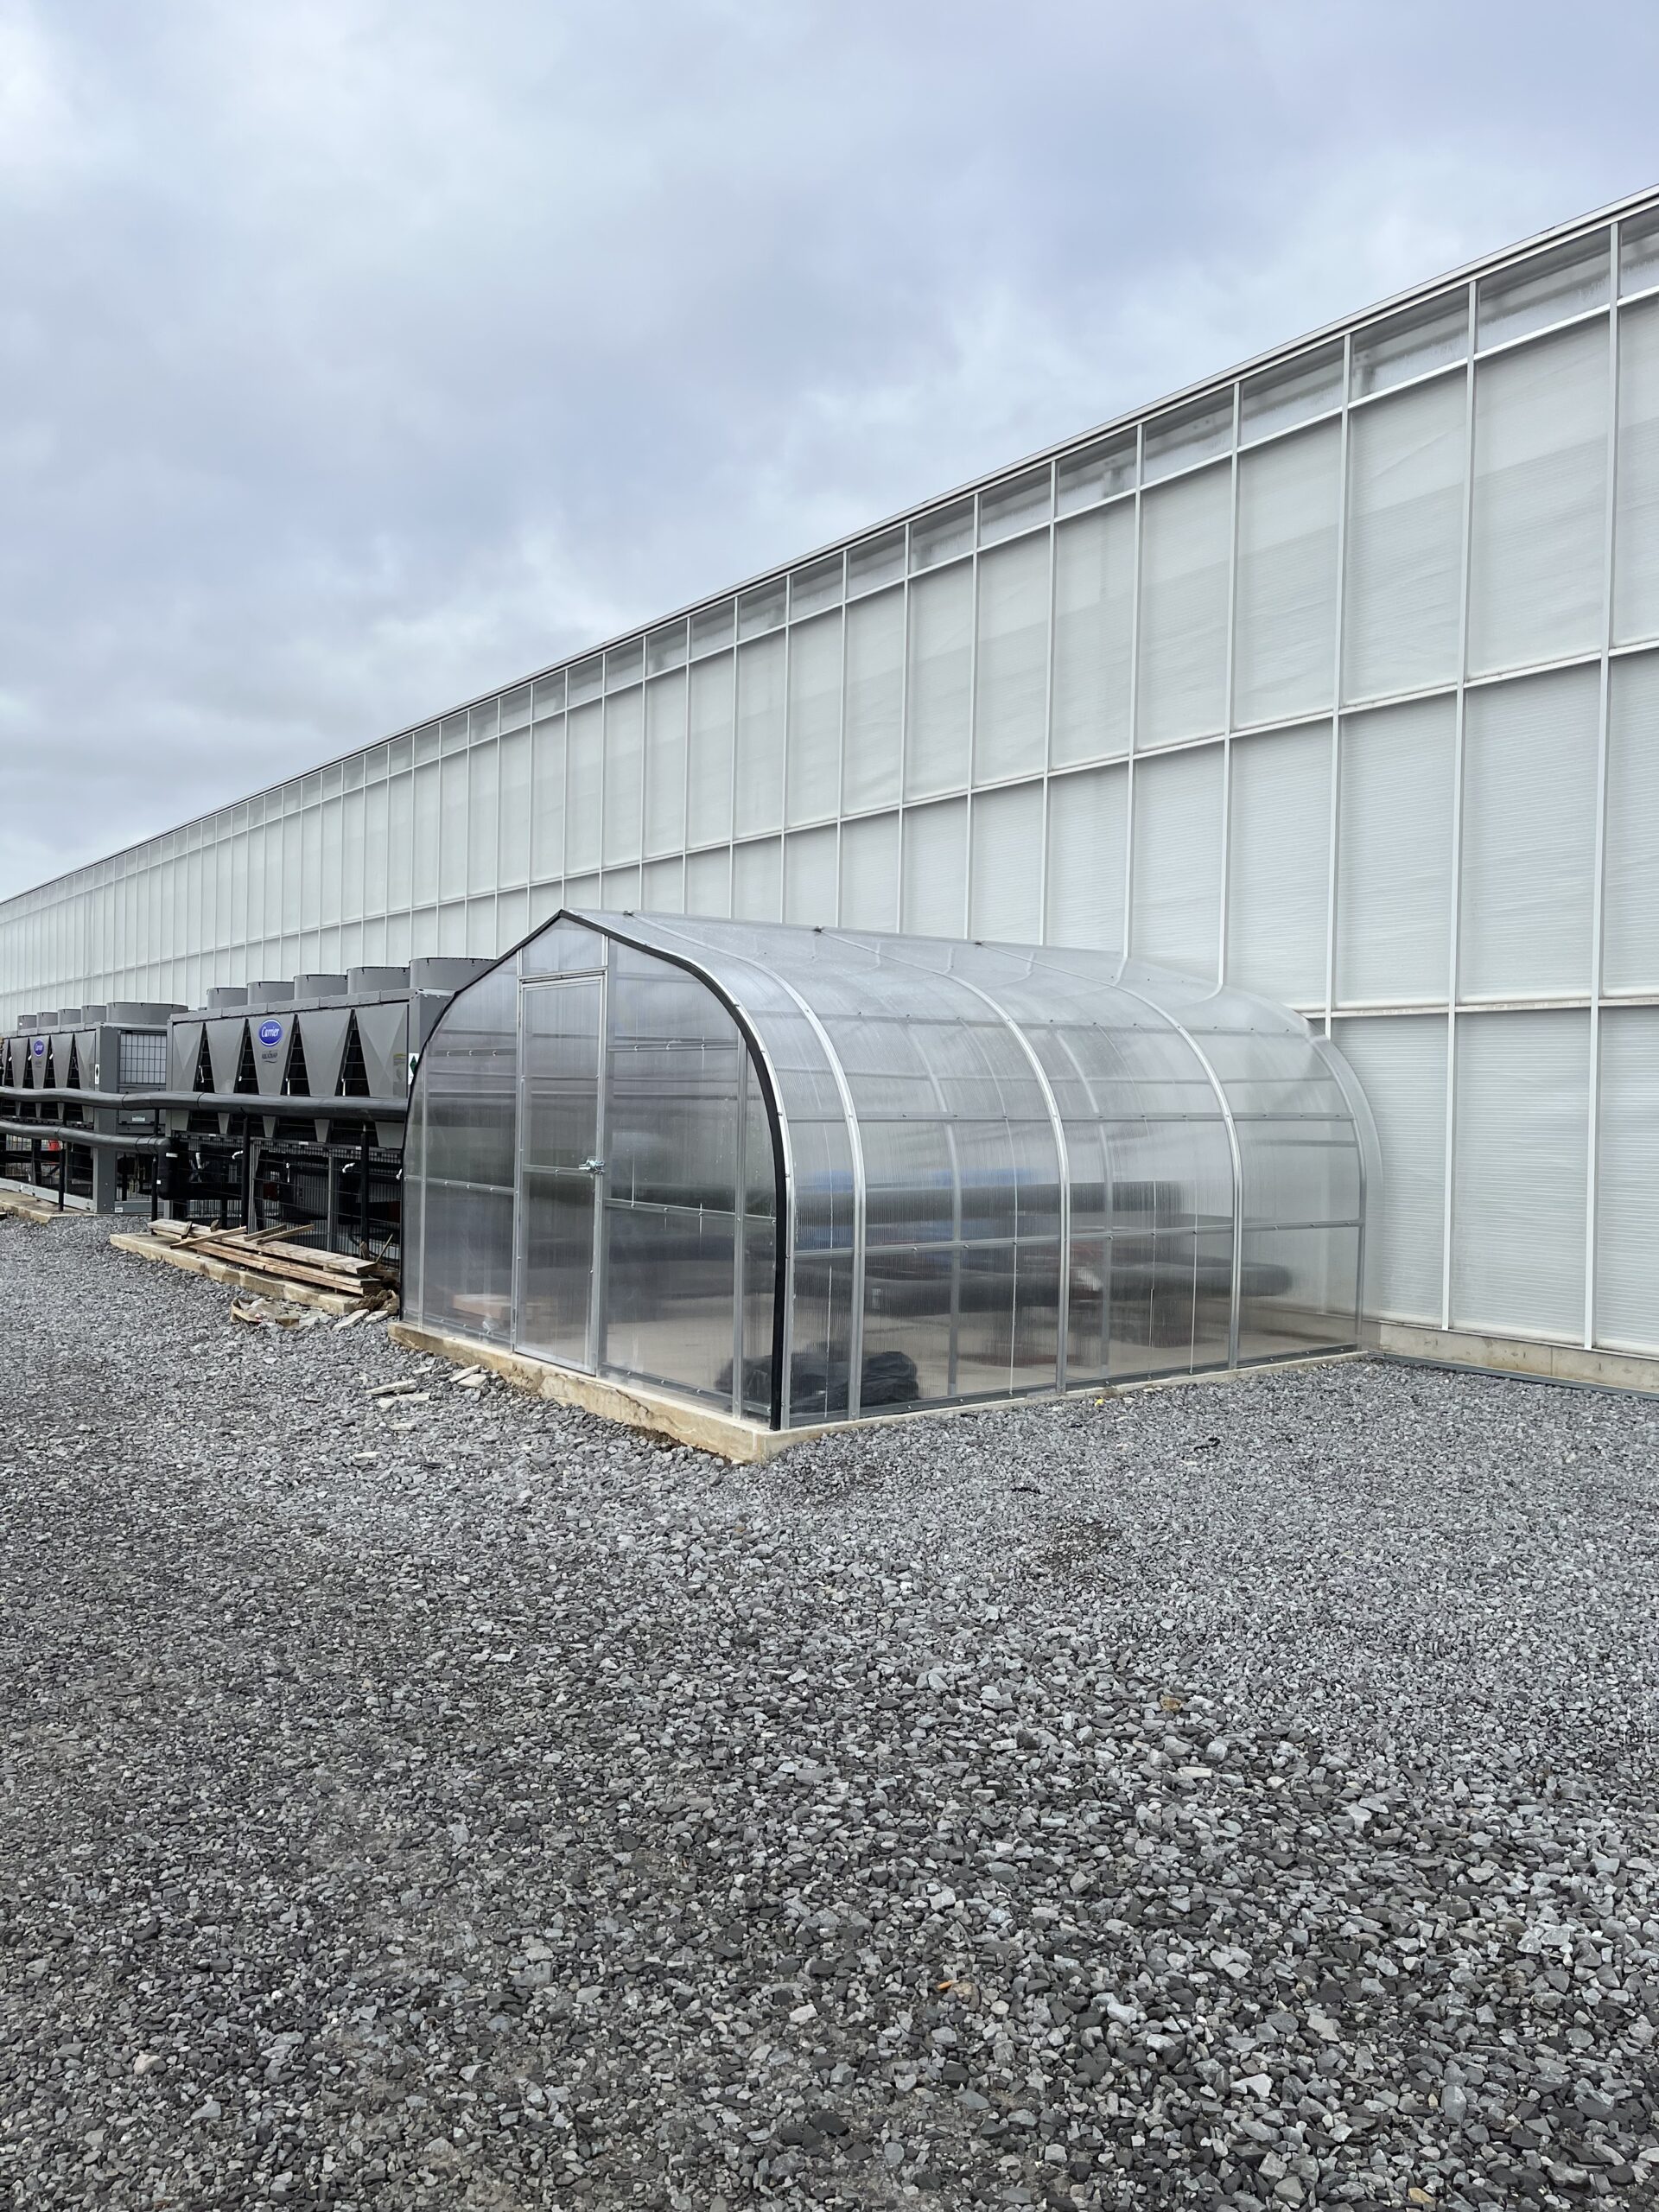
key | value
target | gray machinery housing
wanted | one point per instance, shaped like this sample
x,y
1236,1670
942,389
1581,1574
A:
x,y
285,1102
77,1068
276,1102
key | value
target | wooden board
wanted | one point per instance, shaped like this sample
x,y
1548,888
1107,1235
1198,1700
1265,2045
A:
x,y
268,1254
29,1209
265,1285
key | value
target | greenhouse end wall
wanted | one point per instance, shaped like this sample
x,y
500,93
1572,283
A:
x,y
806,1176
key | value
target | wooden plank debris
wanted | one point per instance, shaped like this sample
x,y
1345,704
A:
x,y
269,1263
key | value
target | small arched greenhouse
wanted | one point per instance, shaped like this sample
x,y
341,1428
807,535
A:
x,y
798,1176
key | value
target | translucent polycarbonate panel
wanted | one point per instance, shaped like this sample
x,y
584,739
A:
x,y
1520,1159
1627,1192
1186,435
624,769
1528,835
1094,635
625,665
1171,1302
941,535
670,1290
712,627
1546,288
675,1101
560,1082
556,1229
1177,861
662,886
584,786
708,883
1538,528
1394,857
759,1195
1402,562
1298,1292
1008,1335
513,918
1401,1064
813,588
910,1319
482,943
515,807
1099,471
762,608
938,682
1185,544
870,874
667,648
1635,494
469,1077
1285,605
1299,1171
822,1334
709,787
1629,945
878,561
1088,828
587,680
1278,886
911,1183
665,771
809,876
466,1269
756,881
676,1064
758,1319
935,869
1020,504
1638,252
758,785
1296,391
547,800
823,1178
875,702
813,779
414,1204
1423,338
1267,1074
1011,660
429,834
562,949
1006,874
452,830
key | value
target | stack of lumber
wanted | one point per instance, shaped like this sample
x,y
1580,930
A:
x,y
28,1206
270,1261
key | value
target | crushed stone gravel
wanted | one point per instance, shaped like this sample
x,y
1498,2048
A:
x,y
1240,1795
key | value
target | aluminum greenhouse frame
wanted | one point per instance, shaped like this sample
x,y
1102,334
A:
x,y
999,1170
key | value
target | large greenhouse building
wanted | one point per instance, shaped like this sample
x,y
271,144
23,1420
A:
x,y
1316,708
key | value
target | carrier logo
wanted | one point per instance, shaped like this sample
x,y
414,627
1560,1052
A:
x,y
40,1048
270,1033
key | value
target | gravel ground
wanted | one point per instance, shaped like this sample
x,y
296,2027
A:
x,y
1234,1796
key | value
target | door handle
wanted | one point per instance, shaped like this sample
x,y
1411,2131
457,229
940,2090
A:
x,y
593,1166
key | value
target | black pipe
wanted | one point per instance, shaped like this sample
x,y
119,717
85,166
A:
x,y
72,1133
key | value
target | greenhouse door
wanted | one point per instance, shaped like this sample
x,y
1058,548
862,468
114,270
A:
x,y
559,1171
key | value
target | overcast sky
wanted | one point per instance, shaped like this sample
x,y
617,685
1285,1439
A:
x,y
358,355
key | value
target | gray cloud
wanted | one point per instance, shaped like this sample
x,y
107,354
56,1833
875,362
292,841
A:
x,y
356,355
